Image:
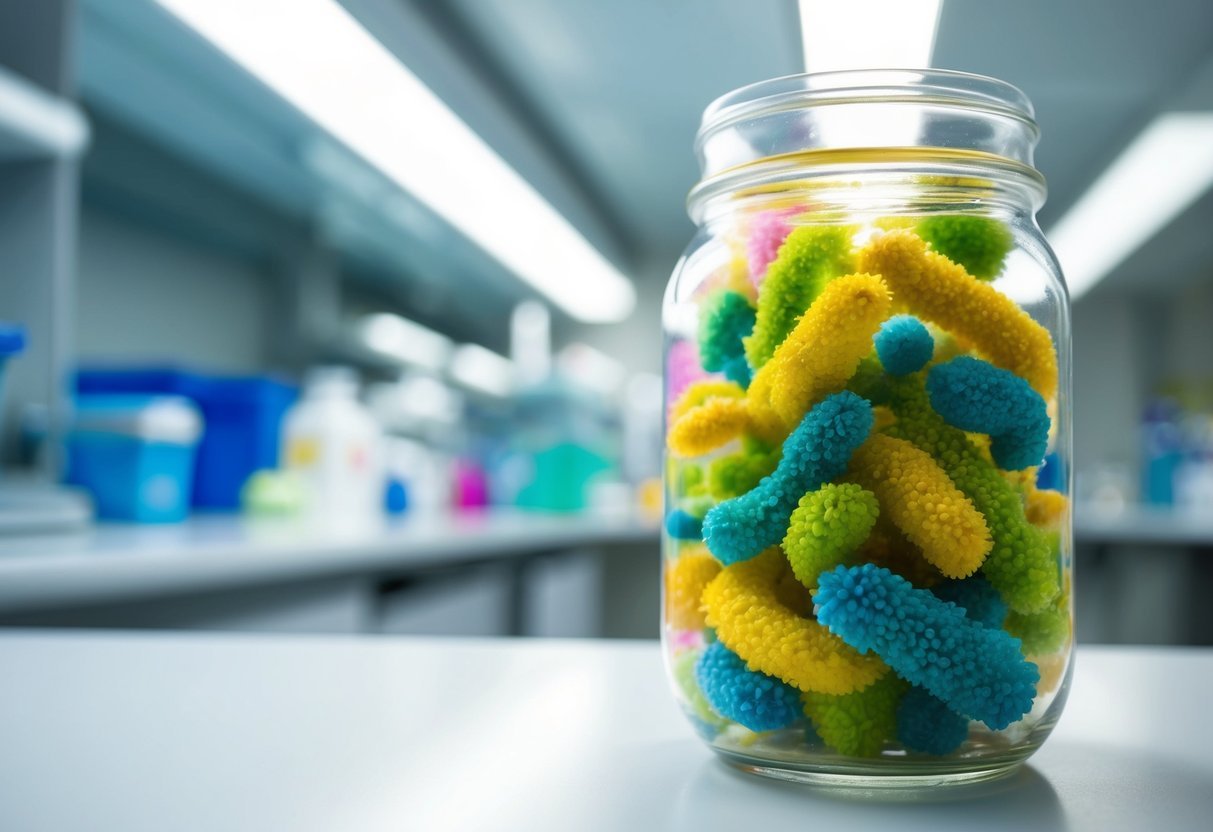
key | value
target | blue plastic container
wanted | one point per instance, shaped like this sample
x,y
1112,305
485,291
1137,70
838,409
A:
x,y
135,455
12,342
242,416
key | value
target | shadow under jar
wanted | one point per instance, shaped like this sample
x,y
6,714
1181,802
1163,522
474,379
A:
x,y
867,558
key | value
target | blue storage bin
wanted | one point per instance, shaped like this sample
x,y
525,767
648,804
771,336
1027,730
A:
x,y
12,342
242,422
135,455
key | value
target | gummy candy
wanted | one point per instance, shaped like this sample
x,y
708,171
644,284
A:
x,y
1022,564
682,525
904,345
753,699
976,396
827,528
927,725
743,609
726,318
857,724
809,257
979,244
936,289
768,230
685,579
979,672
916,494
683,668
821,354
980,601
814,453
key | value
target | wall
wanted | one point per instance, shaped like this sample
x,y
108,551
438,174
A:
x,y
1109,381
145,296
1128,346
636,341
1186,336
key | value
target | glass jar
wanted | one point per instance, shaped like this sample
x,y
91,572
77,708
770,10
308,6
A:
x,y
867,550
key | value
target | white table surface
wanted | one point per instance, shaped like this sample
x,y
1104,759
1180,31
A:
x,y
118,562
192,732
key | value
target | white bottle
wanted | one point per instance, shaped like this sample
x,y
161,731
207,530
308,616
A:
x,y
331,443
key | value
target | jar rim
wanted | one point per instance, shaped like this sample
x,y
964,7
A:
x,y
943,86
931,120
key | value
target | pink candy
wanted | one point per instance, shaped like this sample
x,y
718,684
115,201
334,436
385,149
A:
x,y
682,368
768,230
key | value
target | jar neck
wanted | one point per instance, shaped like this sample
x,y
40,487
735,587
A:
x,y
884,181
930,136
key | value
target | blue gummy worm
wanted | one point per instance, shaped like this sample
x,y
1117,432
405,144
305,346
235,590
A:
x,y
816,452
729,319
737,370
753,699
978,672
927,725
977,597
904,345
682,525
976,396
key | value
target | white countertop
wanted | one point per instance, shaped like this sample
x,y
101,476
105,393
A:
x,y
110,561
190,732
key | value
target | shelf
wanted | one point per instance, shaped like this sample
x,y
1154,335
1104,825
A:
x,y
115,562
1143,525
35,124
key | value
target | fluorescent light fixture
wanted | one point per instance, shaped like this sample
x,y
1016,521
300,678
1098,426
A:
x,y
403,340
482,369
319,58
868,34
36,122
1166,168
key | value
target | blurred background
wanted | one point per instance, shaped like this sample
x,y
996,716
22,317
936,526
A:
x,y
264,264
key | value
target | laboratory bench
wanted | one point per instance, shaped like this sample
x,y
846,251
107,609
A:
x,y
1142,524
154,731
232,573
1143,574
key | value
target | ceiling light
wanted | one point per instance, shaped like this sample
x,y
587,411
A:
x,y
482,369
1166,168
868,34
403,340
319,58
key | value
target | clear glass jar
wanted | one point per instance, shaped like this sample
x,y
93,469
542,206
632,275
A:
x,y
867,553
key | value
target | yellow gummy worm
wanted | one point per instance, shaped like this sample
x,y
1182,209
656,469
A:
x,y
708,426
701,391
742,605
821,353
685,579
936,289
1044,508
817,358
916,494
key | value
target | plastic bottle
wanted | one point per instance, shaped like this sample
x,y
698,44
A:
x,y
332,444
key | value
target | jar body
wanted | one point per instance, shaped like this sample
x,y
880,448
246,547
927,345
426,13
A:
x,y
867,552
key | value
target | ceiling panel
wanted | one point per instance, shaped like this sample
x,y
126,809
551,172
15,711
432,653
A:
x,y
621,86
1096,70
